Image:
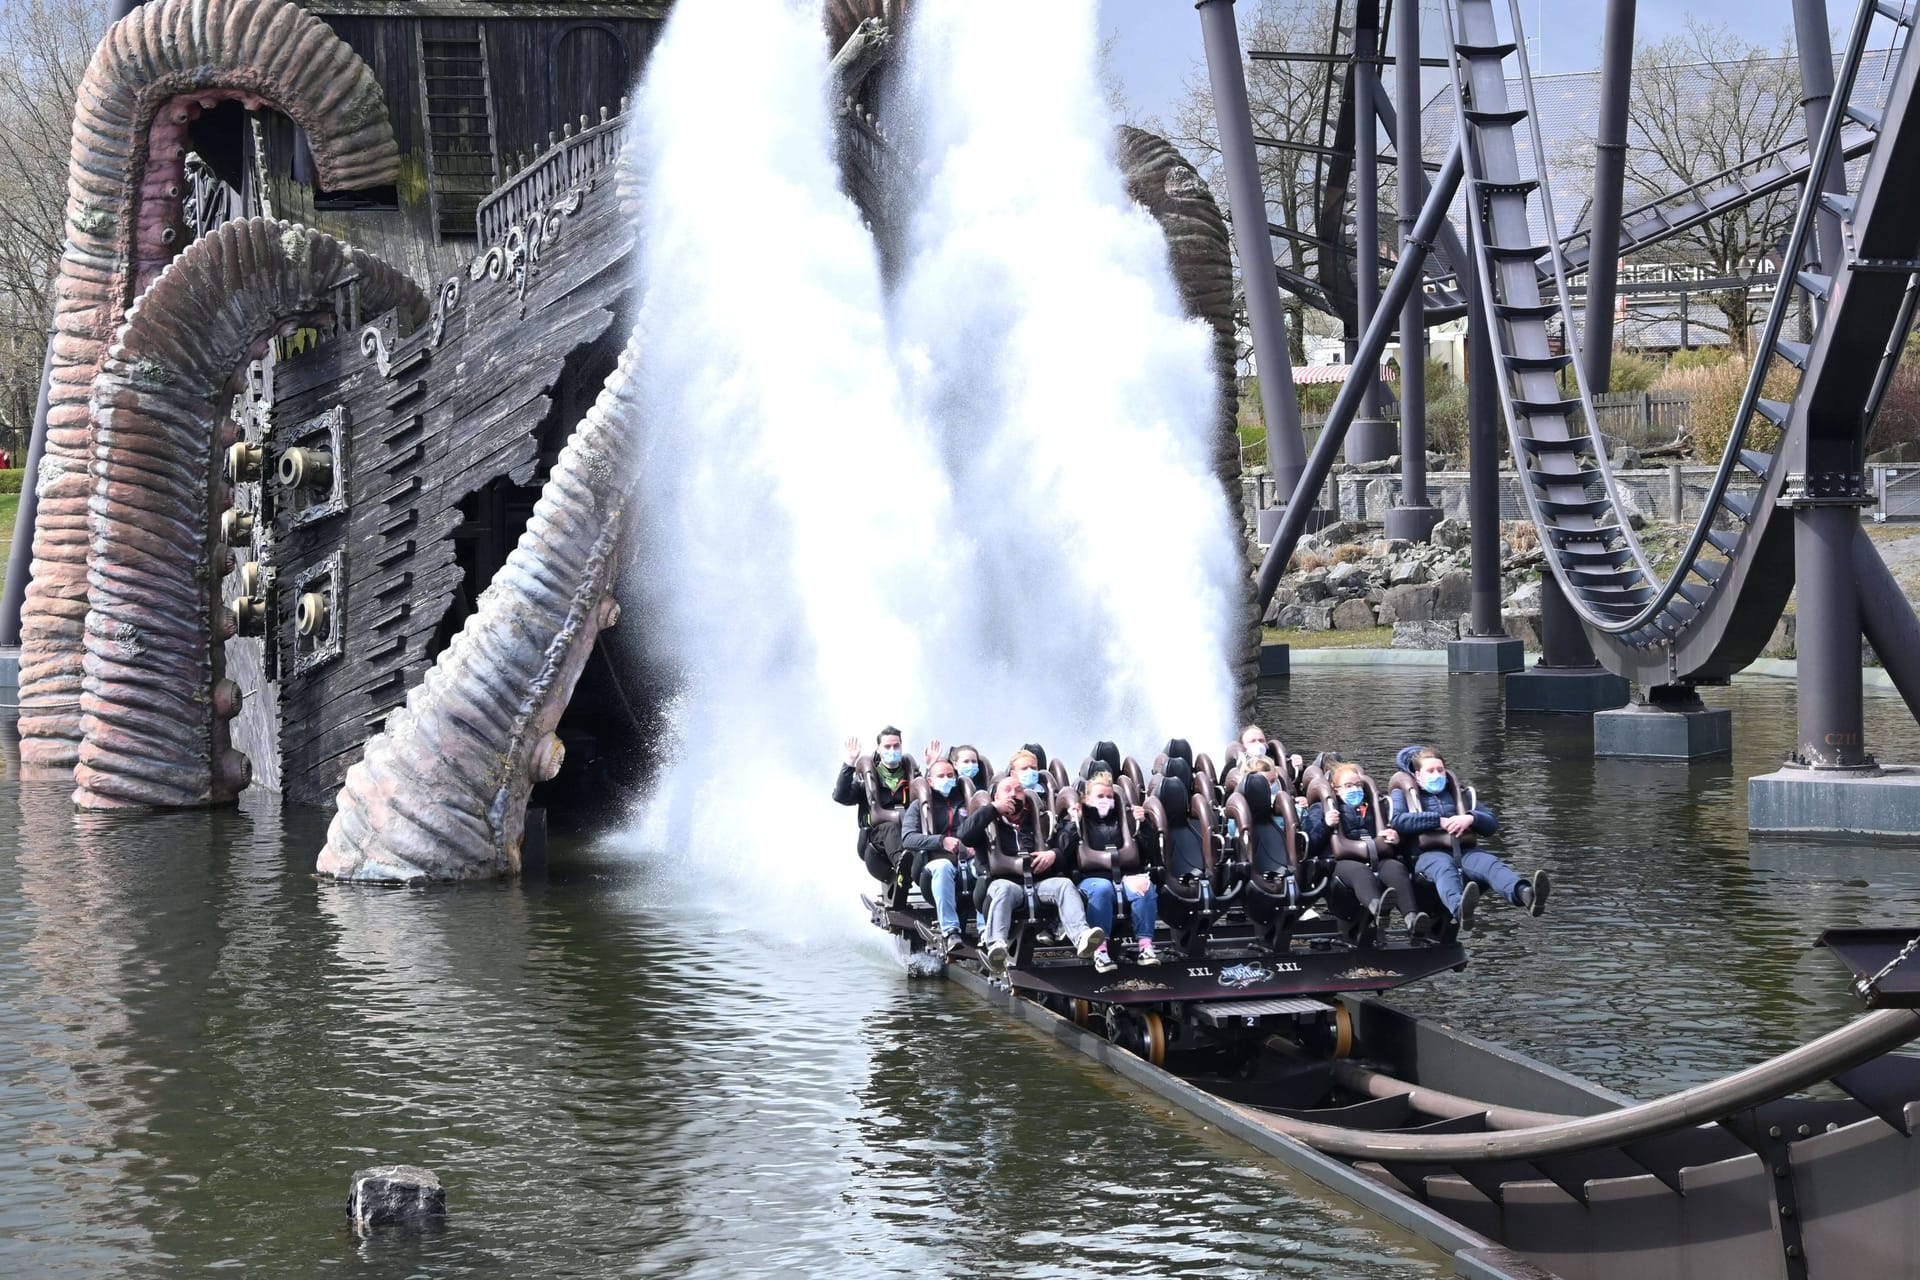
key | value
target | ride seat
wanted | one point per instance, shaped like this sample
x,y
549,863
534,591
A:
x,y
870,781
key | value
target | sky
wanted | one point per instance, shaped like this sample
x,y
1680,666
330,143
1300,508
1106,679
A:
x,y
1156,43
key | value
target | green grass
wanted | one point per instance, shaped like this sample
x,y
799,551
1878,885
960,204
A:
x,y
9,508
1359,638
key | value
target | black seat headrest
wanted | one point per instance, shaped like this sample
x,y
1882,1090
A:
x,y
1178,768
1039,754
1174,796
1108,754
1259,796
1179,748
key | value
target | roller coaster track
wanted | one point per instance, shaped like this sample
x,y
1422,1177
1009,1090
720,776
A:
x,y
1711,613
1641,227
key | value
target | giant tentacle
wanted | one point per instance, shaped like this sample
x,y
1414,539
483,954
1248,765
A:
x,y
1159,178
441,792
154,72
152,713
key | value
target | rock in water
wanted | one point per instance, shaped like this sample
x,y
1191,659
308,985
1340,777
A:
x,y
395,1195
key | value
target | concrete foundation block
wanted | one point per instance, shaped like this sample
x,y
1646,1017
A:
x,y
1880,802
1276,662
1652,733
1566,691
10,672
1485,654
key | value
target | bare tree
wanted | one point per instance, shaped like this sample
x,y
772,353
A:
x,y
1292,103
1704,101
44,49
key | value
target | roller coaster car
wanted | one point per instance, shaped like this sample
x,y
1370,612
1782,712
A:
x,y
1246,956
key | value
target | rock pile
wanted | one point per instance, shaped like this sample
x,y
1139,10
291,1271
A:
x,y
1423,590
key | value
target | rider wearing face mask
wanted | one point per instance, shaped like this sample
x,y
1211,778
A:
x,y
1095,823
1378,886
1254,745
1447,839
966,762
930,834
878,842
1026,768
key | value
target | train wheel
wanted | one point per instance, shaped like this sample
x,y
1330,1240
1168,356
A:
x,y
1155,1039
1342,1031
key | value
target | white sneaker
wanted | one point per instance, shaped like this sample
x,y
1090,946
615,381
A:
x,y
1090,941
1103,962
997,955
1148,956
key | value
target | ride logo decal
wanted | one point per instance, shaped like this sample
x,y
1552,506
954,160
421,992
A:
x,y
1240,976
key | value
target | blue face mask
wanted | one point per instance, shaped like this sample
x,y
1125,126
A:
x,y
1255,750
1354,796
1030,779
1434,783
970,770
944,785
890,757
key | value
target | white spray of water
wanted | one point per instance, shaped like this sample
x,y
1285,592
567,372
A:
x,y
982,512
1074,398
788,502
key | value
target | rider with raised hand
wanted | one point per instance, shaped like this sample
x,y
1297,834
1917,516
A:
x,y
1447,839
878,842
1094,822
1012,822
930,834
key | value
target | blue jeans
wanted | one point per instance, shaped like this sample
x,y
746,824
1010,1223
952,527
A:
x,y
1099,896
944,874
1450,875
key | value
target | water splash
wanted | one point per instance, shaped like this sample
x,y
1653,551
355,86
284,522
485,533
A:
x,y
1044,335
979,508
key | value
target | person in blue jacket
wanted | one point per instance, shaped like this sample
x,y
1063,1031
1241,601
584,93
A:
x,y
1448,841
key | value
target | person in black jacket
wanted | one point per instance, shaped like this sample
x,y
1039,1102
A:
x,y
1377,886
1095,823
930,835
1011,826
878,840
1448,840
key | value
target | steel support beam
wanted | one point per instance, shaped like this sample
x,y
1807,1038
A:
x,y
1247,200
1451,246
1413,517
1372,436
1406,278
1483,465
1816,88
1886,615
1609,185
1827,639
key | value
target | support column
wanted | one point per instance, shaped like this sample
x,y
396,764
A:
x,y
1372,436
1414,516
1486,647
1568,677
1815,47
1247,201
1832,783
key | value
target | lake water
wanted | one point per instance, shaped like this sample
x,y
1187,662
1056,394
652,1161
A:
x,y
200,1042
